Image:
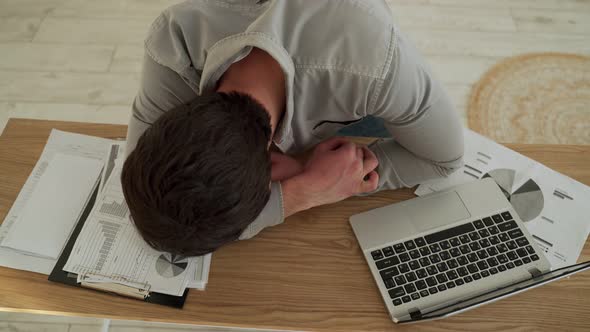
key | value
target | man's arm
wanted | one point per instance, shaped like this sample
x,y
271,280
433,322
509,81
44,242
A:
x,y
427,134
336,170
427,143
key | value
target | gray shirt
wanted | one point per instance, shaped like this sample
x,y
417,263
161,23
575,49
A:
x,y
342,60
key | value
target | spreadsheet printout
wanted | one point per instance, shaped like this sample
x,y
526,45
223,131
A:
x,y
110,249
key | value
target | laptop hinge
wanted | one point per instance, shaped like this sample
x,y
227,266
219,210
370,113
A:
x,y
534,272
415,313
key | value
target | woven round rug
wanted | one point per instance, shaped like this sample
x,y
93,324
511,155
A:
x,y
535,98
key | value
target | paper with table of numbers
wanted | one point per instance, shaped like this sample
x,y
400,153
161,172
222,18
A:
x,y
554,207
200,273
109,249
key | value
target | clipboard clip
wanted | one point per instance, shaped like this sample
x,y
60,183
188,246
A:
x,y
137,291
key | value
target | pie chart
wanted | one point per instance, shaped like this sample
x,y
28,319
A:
x,y
170,266
527,198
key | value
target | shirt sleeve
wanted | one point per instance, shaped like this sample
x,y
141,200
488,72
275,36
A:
x,y
271,215
162,89
427,135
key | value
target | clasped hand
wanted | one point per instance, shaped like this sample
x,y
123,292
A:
x,y
336,170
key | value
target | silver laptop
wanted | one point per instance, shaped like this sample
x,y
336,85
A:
x,y
447,252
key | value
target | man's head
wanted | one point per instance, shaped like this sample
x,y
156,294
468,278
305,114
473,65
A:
x,y
200,174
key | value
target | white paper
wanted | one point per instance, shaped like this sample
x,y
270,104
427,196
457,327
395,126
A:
x,y
201,272
110,248
54,206
58,142
562,227
21,261
553,206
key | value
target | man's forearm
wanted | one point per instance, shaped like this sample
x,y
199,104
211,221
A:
x,y
294,198
336,170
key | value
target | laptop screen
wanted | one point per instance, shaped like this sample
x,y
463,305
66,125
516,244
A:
x,y
499,293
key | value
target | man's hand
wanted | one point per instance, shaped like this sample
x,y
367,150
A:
x,y
336,170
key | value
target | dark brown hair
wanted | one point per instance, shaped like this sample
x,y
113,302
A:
x,y
200,174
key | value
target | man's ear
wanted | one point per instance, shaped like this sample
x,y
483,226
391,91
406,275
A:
x,y
283,166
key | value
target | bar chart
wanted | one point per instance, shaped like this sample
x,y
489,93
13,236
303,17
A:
x,y
109,231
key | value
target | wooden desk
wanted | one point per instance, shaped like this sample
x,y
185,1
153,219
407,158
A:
x,y
307,274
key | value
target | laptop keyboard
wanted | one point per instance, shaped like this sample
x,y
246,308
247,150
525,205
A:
x,y
452,257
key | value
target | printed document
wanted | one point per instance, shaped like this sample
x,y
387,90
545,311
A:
x,y
200,273
109,249
59,142
55,206
554,207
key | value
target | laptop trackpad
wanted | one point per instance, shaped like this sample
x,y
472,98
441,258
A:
x,y
438,210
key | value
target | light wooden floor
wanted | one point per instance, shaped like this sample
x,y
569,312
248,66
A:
x,y
79,60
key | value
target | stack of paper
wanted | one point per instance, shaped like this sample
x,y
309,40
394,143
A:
x,y
51,200
43,226
109,248
554,207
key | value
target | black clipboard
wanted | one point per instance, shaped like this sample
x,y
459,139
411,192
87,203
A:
x,y
142,294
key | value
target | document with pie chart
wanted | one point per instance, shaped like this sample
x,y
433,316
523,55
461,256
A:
x,y
110,249
553,206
